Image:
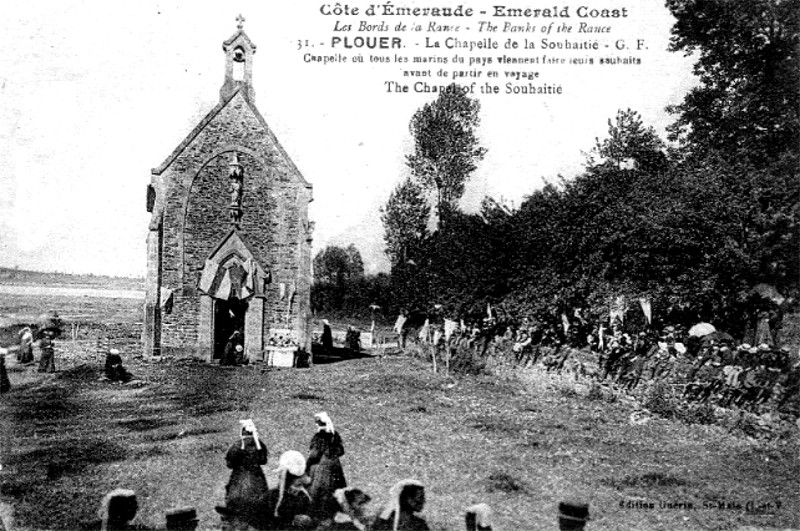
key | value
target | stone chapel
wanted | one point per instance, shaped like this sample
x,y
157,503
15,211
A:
x,y
229,241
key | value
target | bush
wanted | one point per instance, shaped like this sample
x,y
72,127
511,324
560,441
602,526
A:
x,y
467,362
660,402
503,482
698,414
595,392
568,392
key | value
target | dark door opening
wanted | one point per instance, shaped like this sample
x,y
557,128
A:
x,y
228,317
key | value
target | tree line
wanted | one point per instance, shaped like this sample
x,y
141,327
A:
x,y
691,222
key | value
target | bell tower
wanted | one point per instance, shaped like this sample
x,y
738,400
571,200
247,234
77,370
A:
x,y
239,50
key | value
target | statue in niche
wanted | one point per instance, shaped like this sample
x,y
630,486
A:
x,y
236,177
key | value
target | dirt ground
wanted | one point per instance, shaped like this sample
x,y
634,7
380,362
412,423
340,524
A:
x,y
519,444
518,440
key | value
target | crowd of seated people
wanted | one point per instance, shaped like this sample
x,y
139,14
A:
x,y
710,368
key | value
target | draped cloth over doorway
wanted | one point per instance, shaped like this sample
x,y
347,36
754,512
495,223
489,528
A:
x,y
233,284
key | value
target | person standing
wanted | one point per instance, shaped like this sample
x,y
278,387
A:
x,y
47,361
247,493
25,346
327,337
50,326
324,467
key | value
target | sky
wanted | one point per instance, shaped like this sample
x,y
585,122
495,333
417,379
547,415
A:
x,y
93,94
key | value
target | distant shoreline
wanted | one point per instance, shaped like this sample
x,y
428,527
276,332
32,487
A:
x,y
51,279
71,290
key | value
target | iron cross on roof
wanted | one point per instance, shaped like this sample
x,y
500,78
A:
x,y
240,21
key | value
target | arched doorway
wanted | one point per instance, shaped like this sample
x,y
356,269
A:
x,y
232,286
229,316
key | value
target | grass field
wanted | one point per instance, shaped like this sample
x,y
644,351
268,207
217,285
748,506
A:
x,y
520,443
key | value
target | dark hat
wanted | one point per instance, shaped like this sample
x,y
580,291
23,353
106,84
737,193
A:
x,y
182,518
573,511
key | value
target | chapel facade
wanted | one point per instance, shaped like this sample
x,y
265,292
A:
x,y
229,241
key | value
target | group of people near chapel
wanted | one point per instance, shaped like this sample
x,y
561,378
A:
x,y
753,373
49,328
311,494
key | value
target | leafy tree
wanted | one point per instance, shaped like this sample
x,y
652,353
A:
x,y
355,264
446,149
629,142
695,236
332,266
747,103
405,219
340,286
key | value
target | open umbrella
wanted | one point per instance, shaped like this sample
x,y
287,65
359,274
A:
x,y
702,329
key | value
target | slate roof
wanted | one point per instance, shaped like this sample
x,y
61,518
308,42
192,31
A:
x,y
209,117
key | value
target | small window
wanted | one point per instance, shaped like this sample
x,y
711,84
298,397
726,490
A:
x,y
151,197
238,64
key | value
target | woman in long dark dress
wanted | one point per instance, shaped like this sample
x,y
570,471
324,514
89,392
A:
x,y
324,468
247,494
327,337
47,361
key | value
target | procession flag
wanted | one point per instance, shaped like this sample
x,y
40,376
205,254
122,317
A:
x,y
449,328
647,308
423,333
398,325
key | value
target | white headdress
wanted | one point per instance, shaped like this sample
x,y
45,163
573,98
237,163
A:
x,y
249,428
290,462
326,420
394,500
